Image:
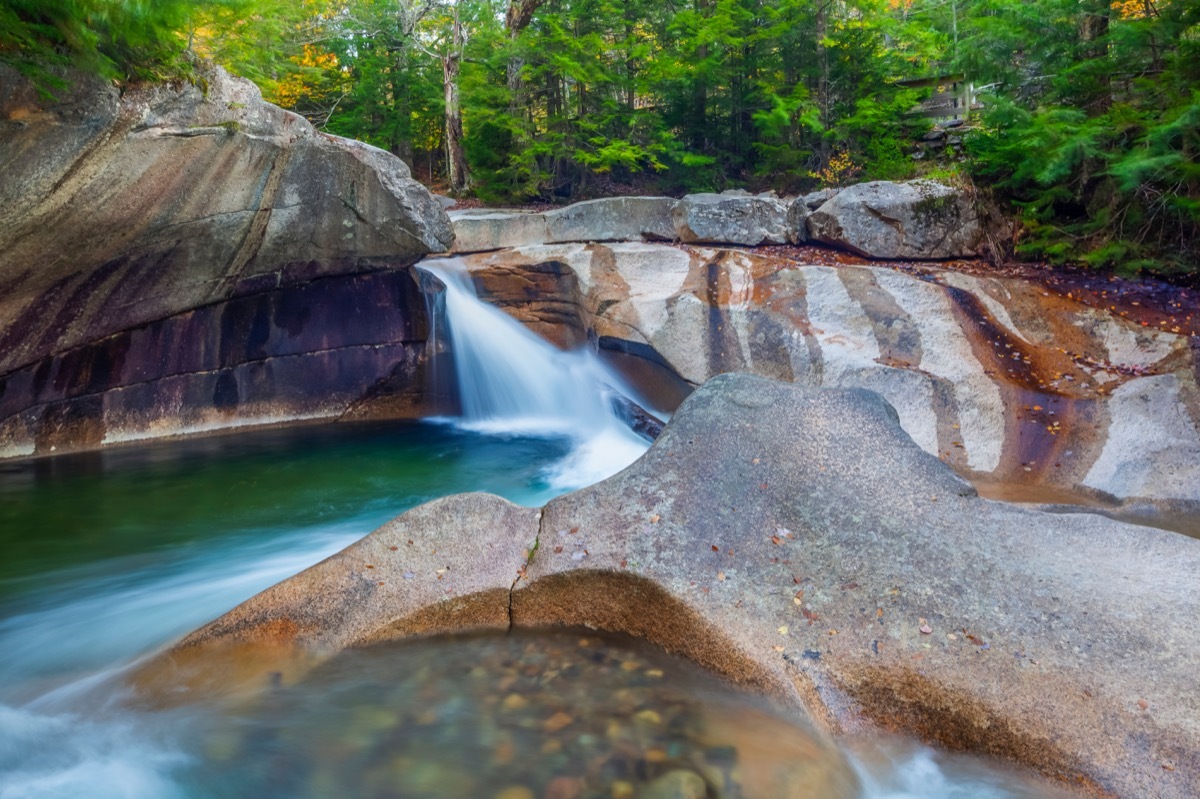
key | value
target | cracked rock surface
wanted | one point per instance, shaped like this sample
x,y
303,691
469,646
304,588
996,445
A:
x,y
797,542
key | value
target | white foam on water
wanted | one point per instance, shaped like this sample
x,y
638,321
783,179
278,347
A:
x,y
894,768
69,756
63,730
80,623
513,382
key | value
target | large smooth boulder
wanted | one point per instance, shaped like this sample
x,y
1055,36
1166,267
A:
x,y
747,220
613,219
1005,379
483,229
186,256
919,219
799,543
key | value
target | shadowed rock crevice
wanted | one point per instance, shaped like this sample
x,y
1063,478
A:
x,y
523,569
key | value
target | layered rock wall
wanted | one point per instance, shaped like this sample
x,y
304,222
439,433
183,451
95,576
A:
x,y
187,255
998,377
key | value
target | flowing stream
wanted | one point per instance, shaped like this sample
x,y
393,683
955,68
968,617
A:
x,y
109,556
512,381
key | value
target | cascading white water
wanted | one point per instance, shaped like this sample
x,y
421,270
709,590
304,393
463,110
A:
x,y
512,381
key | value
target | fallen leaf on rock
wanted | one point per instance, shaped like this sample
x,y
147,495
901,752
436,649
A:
x,y
783,630
654,519
721,576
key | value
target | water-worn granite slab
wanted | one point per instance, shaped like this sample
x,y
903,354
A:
x,y
798,542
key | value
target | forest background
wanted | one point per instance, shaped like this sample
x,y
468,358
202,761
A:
x,y
1088,131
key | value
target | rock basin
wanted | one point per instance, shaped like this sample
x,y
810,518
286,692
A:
x,y
797,542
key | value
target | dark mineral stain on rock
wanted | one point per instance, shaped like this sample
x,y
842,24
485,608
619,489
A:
x,y
225,396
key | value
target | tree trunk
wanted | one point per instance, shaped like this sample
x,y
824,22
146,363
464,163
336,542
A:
x,y
700,88
456,162
630,19
822,9
1093,30
517,19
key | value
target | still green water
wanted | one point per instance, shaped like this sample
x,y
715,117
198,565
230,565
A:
x,y
75,509
110,554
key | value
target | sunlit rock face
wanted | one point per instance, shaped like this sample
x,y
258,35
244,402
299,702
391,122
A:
x,y
195,240
1000,378
885,219
797,542
732,219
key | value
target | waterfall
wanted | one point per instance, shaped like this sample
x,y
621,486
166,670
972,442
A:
x,y
511,381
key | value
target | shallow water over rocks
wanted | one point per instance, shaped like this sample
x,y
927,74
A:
x,y
553,714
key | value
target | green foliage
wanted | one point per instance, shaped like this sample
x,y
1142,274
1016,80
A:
x,y
124,39
1095,132
1091,131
